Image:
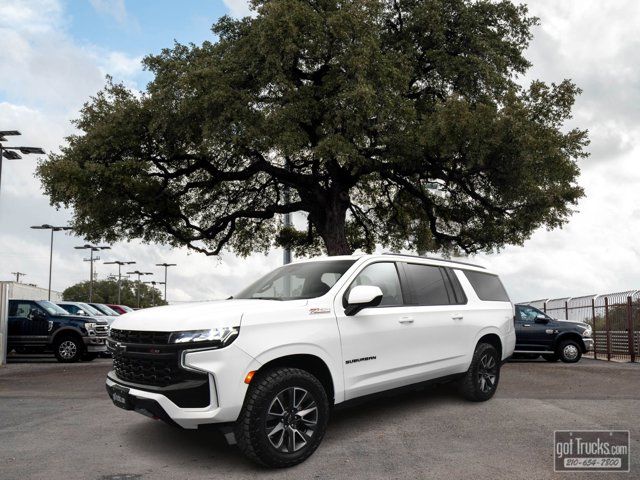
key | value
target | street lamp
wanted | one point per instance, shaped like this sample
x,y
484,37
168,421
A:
x,y
139,273
92,248
120,263
53,229
166,265
153,290
10,153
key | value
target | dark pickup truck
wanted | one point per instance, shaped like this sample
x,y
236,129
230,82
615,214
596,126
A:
x,y
39,326
539,334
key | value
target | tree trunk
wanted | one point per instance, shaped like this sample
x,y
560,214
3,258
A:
x,y
330,224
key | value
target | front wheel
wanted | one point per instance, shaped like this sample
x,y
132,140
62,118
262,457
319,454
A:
x,y
569,351
481,380
284,417
68,349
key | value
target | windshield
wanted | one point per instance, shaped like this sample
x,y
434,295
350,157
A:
x,y
89,310
52,308
104,309
297,280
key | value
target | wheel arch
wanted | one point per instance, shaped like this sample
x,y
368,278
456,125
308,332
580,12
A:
x,y
491,338
308,362
66,331
569,336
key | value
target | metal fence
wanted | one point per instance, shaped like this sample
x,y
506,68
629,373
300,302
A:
x,y
614,317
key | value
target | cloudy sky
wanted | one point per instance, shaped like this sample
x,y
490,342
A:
x,y
56,53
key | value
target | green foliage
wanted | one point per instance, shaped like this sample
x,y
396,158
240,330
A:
x,y
389,122
106,291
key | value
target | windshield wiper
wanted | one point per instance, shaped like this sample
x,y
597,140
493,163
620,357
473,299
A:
x,y
267,298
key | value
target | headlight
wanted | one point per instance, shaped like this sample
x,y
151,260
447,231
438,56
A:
x,y
587,332
220,336
90,327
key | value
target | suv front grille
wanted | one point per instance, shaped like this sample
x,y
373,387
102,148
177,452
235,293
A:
x,y
150,371
138,336
147,358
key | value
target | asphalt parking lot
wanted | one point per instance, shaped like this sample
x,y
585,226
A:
x,y
56,422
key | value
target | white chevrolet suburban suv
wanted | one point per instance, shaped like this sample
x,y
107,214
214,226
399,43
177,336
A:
x,y
268,364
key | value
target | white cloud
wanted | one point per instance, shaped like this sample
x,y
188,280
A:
x,y
113,8
47,75
239,8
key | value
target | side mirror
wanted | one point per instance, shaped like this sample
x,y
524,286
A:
x,y
37,315
542,319
81,312
362,296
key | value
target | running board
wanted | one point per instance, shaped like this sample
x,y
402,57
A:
x,y
539,352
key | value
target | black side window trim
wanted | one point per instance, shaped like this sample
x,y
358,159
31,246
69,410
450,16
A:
x,y
451,275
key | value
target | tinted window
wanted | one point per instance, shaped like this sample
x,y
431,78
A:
x,y
488,287
526,314
20,309
427,284
385,276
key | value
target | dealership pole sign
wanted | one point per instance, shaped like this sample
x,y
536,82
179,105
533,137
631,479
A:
x,y
591,450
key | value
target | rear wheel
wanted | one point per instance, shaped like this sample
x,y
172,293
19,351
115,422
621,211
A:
x,y
284,417
569,351
481,380
68,349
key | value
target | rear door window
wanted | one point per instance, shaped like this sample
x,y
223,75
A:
x,y
427,284
488,287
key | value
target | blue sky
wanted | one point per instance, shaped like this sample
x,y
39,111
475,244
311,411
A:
x,y
133,29
54,54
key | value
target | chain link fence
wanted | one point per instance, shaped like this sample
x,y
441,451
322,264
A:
x,y
614,317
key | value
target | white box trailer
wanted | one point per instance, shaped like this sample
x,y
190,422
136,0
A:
x,y
22,291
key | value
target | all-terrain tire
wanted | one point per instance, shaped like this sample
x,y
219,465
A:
x,y
68,348
481,380
259,427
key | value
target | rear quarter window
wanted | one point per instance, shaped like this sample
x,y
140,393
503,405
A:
x,y
488,287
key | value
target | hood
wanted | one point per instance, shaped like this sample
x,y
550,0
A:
x,y
574,322
196,316
80,318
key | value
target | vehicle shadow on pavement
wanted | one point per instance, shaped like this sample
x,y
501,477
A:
x,y
31,358
172,447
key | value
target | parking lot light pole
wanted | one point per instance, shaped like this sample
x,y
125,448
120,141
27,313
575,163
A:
x,y
139,273
153,284
10,153
120,263
166,266
92,248
53,229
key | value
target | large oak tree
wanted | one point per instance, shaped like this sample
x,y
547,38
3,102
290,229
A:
x,y
393,122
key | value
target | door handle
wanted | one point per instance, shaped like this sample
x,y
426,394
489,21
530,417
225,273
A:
x,y
457,317
406,320
526,325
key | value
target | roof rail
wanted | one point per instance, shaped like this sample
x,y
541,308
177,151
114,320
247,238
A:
x,y
425,257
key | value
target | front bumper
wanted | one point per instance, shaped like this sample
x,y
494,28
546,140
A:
x,y
588,344
225,370
95,344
